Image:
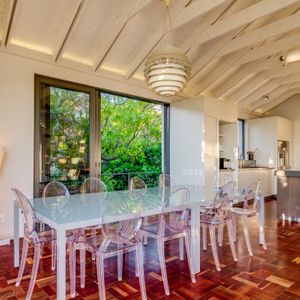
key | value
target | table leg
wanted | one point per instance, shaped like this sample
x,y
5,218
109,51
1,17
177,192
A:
x,y
195,239
16,235
262,240
61,264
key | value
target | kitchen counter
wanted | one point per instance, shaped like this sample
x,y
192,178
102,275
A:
x,y
288,173
256,168
288,195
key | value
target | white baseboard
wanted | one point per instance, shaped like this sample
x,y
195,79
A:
x,y
4,242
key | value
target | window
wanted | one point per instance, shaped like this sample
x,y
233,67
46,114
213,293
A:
x,y
81,132
241,139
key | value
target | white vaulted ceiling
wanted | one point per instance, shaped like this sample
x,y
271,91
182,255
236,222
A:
x,y
234,45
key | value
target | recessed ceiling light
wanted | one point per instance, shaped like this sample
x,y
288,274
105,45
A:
x,y
266,97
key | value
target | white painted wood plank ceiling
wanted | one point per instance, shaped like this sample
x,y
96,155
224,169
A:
x,y
234,46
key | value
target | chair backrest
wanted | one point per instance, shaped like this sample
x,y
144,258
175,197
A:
x,y
221,204
165,180
253,191
28,214
93,185
121,232
136,183
54,189
174,215
225,194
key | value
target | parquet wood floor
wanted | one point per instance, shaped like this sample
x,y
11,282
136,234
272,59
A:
x,y
271,274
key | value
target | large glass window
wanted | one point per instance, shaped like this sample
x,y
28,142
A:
x,y
241,139
72,121
131,140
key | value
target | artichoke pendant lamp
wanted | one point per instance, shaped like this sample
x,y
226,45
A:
x,y
167,70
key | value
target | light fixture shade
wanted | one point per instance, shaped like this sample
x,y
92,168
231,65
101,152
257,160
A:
x,y
167,71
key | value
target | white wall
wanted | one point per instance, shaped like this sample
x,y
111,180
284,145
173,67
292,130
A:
x,y
17,121
186,141
290,109
262,135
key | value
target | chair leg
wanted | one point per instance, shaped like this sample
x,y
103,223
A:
x,y
162,261
246,234
100,276
120,265
140,266
188,255
35,266
145,236
82,267
261,228
181,249
94,234
204,232
213,242
53,255
72,266
220,234
231,241
234,225
23,261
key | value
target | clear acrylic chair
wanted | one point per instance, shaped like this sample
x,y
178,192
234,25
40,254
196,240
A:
x,y
230,187
136,183
61,193
165,181
118,237
31,236
88,186
172,224
252,192
216,216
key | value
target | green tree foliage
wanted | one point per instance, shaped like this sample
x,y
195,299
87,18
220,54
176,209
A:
x,y
131,139
131,133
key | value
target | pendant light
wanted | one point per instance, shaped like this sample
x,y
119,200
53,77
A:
x,y
167,70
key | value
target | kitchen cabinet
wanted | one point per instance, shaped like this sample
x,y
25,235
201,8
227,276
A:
x,y
249,175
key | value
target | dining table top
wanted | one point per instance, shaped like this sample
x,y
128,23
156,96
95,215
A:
x,y
105,207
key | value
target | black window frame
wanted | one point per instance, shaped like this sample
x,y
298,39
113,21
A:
x,y
243,122
95,123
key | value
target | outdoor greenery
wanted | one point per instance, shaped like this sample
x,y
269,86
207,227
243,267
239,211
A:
x,y
131,139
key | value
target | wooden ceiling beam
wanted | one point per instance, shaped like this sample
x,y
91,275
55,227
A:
x,y
258,94
7,23
68,30
244,17
249,86
278,100
243,72
225,64
285,87
131,9
182,16
270,49
261,34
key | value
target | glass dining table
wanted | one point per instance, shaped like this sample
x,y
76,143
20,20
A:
x,y
79,211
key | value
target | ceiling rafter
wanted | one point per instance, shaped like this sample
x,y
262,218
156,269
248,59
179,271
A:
x,y
261,34
258,94
244,17
282,87
76,12
7,24
245,70
182,17
278,100
117,27
227,62
236,22
273,48
207,20
249,86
